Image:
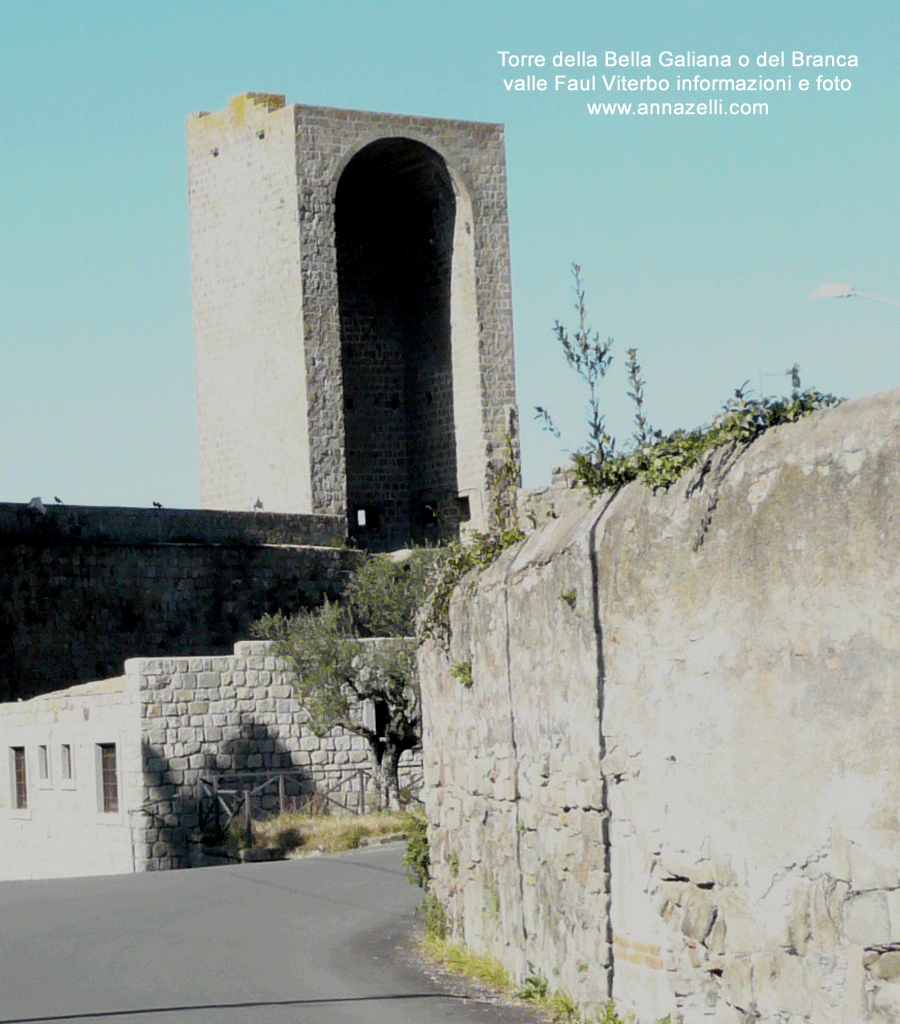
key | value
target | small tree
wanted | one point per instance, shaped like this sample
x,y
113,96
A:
x,y
339,664
590,358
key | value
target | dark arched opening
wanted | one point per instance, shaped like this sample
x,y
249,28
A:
x,y
394,222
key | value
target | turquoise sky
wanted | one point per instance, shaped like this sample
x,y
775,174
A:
x,y
700,236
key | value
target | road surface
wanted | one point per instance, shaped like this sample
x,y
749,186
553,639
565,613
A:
x,y
320,940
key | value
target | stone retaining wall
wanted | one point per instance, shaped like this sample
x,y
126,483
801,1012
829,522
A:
x,y
674,779
200,716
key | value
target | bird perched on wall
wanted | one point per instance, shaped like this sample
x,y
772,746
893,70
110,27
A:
x,y
156,504
37,505
257,506
57,500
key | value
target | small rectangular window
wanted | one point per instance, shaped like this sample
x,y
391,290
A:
x,y
20,778
109,782
65,761
43,762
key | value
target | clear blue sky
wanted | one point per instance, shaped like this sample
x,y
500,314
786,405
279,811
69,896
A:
x,y
700,236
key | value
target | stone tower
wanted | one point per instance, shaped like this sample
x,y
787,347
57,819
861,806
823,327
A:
x,y
352,315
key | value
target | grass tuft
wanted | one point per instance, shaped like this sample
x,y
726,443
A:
x,y
456,957
461,960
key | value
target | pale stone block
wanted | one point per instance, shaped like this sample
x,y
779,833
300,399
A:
x,y
867,920
873,867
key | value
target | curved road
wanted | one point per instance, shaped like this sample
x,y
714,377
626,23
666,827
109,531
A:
x,y
291,942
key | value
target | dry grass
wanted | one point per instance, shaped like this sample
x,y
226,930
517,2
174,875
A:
x,y
460,960
302,834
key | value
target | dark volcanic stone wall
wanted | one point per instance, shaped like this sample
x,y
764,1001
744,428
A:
x,y
84,589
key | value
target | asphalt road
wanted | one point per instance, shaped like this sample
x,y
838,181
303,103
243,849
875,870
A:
x,y
322,940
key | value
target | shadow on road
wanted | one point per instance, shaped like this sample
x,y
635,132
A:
x,y
232,1006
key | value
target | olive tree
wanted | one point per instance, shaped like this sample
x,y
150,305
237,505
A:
x,y
345,655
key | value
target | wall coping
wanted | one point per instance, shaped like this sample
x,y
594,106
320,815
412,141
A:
x,y
112,525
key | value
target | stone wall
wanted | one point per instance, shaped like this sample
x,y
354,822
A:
x,y
680,784
201,716
85,588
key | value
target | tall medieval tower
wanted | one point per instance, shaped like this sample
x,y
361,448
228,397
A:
x,y
352,314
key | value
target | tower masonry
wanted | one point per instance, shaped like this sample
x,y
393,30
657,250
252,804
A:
x,y
353,316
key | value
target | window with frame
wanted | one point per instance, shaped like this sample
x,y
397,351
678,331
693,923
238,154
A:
x,y
20,778
109,783
65,761
43,763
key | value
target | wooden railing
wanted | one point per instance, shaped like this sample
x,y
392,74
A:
x,y
264,792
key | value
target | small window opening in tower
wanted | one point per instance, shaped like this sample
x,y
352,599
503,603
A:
x,y
365,519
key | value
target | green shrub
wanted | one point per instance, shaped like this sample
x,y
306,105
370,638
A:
x,y
288,838
534,987
433,917
563,1008
417,857
609,1014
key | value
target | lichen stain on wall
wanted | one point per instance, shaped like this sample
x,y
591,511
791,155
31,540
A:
x,y
684,782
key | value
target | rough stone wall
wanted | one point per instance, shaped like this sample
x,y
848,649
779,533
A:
x,y
268,307
206,715
513,787
745,635
84,588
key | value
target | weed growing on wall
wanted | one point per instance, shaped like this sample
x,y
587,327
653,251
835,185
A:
x,y
504,482
481,550
433,917
417,857
590,358
534,987
743,419
644,433
491,892
656,459
462,671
